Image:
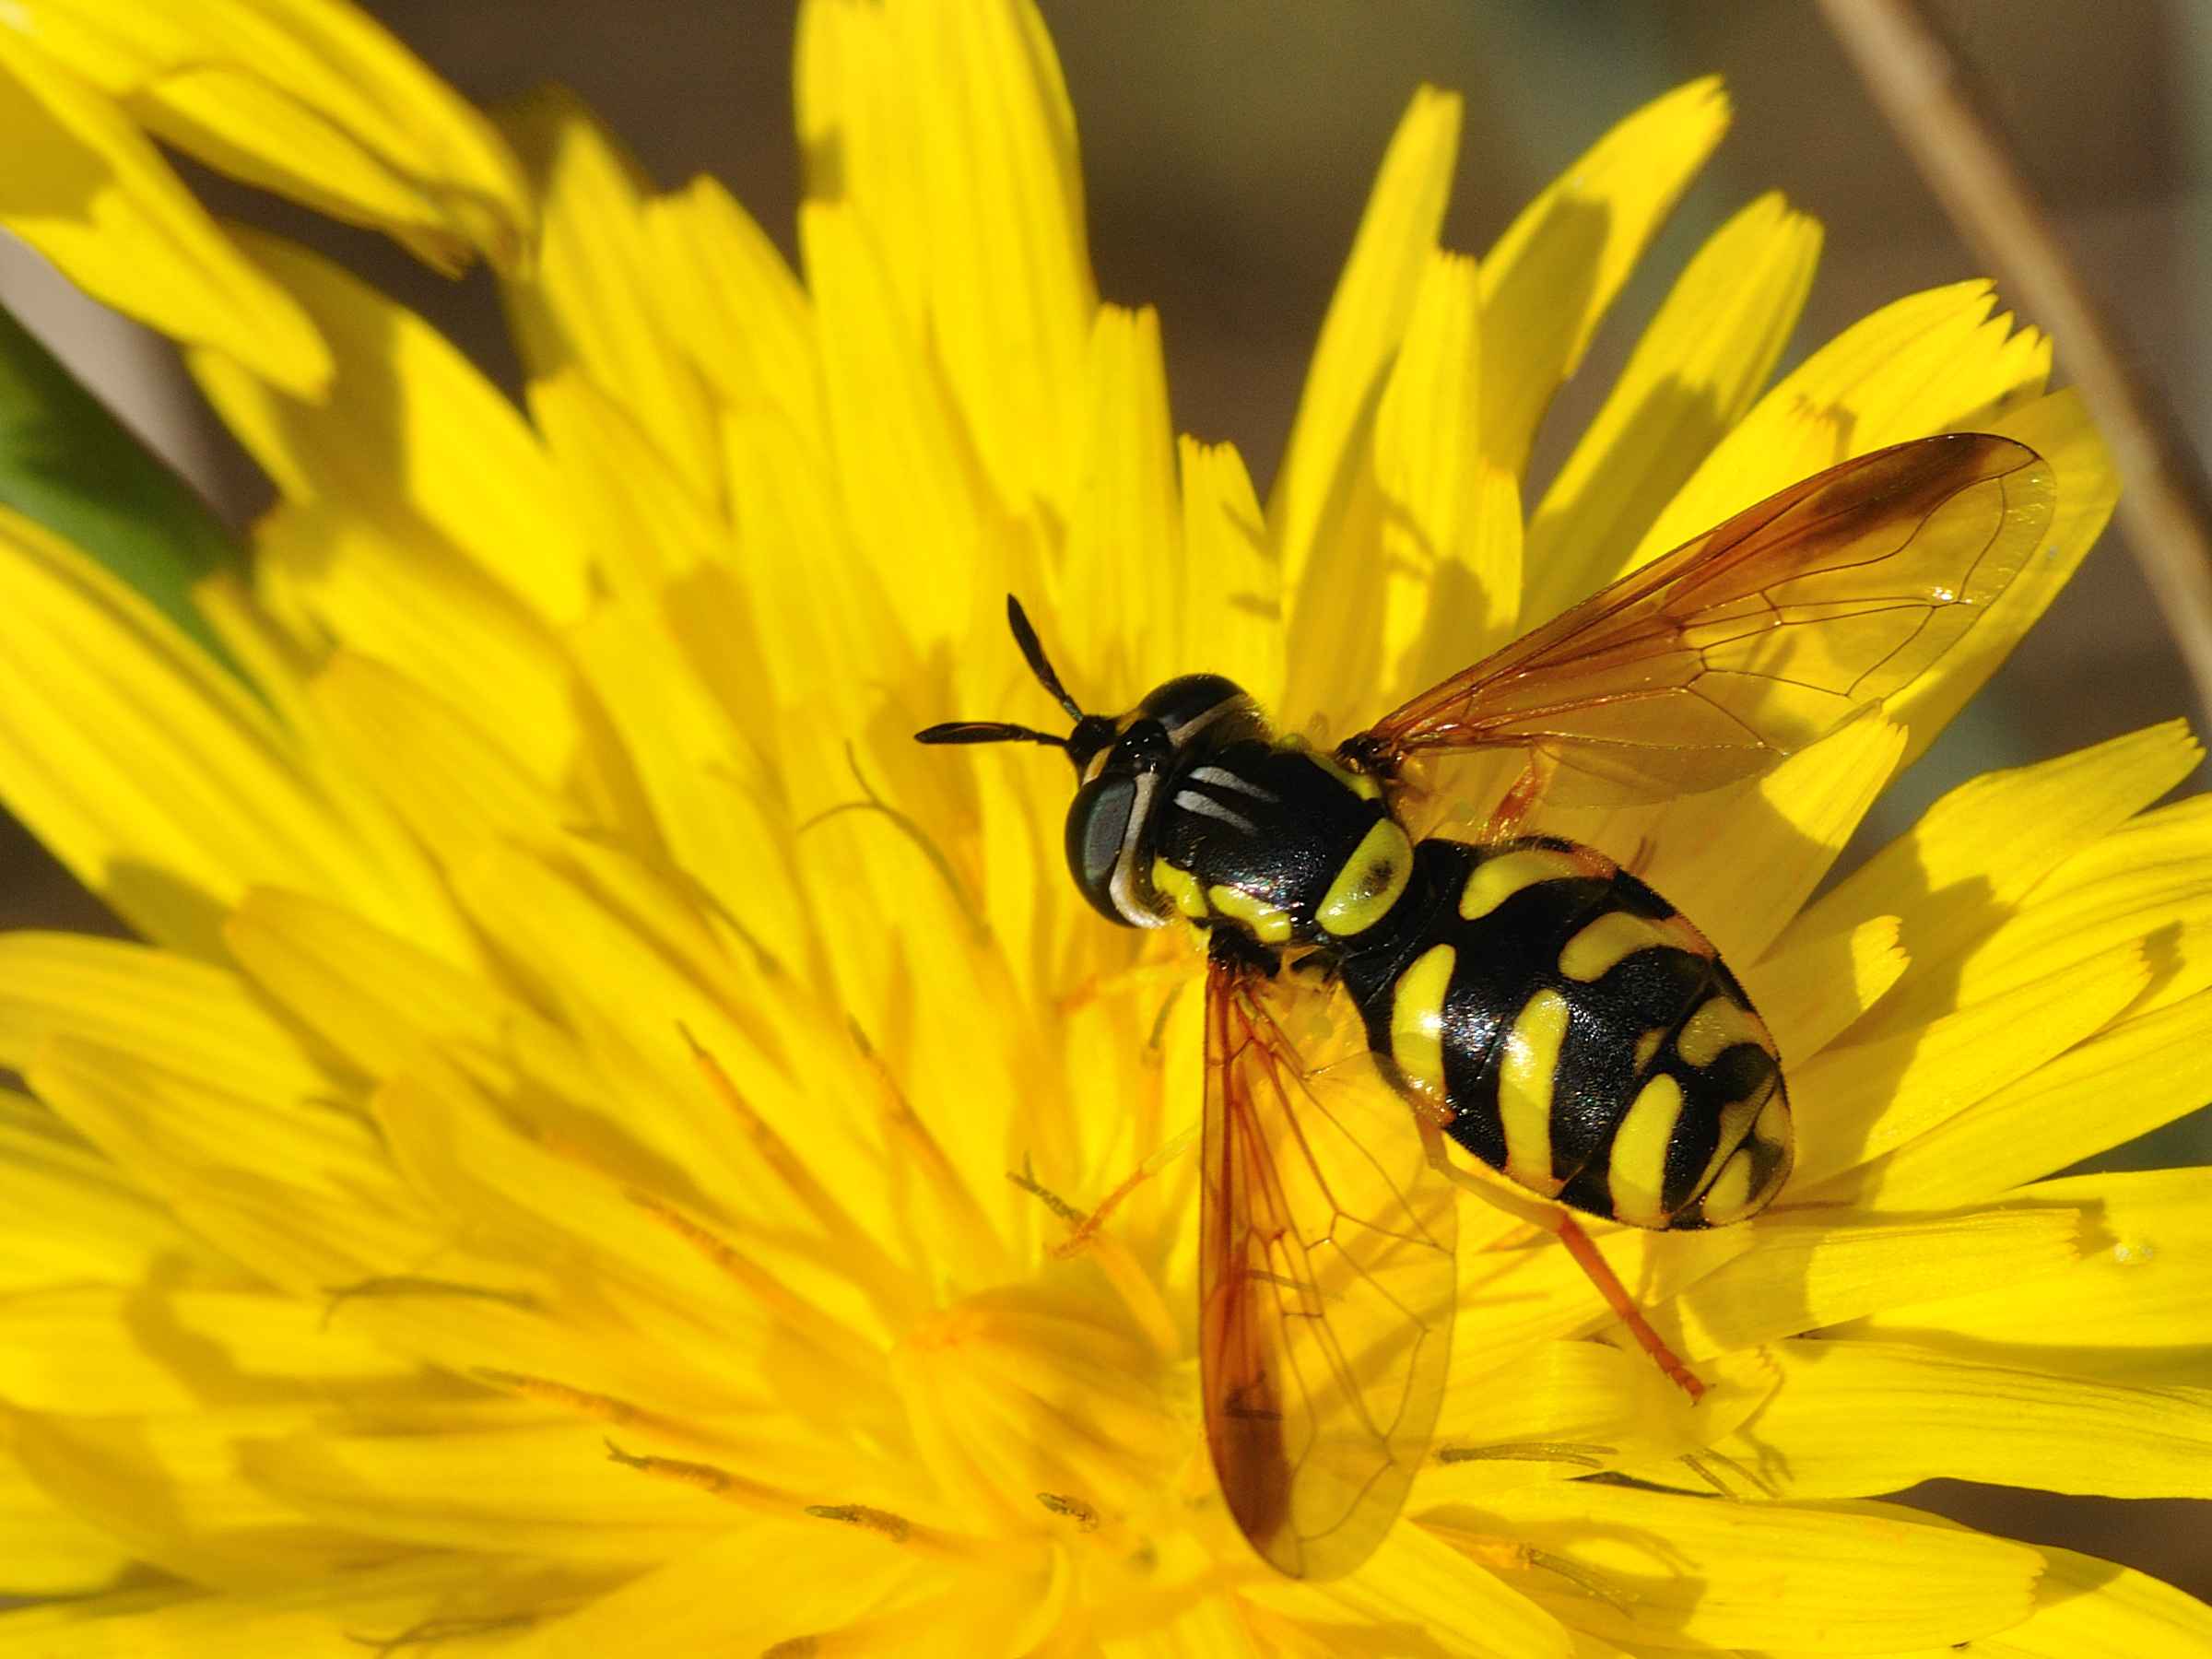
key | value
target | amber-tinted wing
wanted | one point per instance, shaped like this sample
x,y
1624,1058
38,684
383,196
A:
x,y
1326,1269
1746,644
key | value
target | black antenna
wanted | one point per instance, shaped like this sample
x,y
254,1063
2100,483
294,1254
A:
x,y
1026,636
1000,731
986,731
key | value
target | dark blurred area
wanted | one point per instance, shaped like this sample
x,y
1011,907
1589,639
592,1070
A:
x,y
1227,152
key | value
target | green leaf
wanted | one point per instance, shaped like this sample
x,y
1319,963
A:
x,y
70,466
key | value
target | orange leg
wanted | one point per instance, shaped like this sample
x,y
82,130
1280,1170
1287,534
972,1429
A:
x,y
1510,817
1587,1258
1553,1218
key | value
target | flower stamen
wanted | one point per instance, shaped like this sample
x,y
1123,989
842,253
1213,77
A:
x,y
878,1272
711,1478
1561,1452
910,1534
585,1402
1085,1517
837,1344
1700,1463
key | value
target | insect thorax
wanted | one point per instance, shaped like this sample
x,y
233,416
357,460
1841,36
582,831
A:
x,y
1279,841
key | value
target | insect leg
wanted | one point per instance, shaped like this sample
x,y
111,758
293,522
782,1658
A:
x,y
1624,1306
1560,1222
1509,818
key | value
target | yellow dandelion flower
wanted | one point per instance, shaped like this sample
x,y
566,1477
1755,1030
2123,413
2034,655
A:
x,y
605,1146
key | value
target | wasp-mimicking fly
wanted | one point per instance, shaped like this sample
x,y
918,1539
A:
x,y
1536,1005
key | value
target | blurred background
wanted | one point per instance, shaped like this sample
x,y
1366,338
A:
x,y
1227,151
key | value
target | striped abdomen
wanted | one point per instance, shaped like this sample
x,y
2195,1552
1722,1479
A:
x,y
1586,1040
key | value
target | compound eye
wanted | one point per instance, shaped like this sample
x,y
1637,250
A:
x,y
1098,821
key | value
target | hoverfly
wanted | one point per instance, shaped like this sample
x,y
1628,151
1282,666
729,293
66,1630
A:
x,y
1535,1005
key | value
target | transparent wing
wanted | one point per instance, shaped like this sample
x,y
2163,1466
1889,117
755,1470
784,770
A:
x,y
1325,1273
1746,644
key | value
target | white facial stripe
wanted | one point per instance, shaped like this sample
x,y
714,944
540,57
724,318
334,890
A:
x,y
1189,800
1121,885
1226,778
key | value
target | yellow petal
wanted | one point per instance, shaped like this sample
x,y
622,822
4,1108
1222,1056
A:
x,y
316,1617
1791,823
632,1007
911,496
1693,373
1235,586
1691,1572
98,1350
947,132
2058,427
1811,990
1549,279
647,526
1960,872
1365,318
2145,881
82,1220
2132,1310
1418,1578
171,1131
455,1490
1861,1417
1857,1100
193,1019
1414,577
45,1550
591,303
497,1163
2090,1609
379,999
747,323
720,832
1429,462
410,435
171,1490
1932,362
2135,1076
442,775
85,189
1516,1295
1124,563
150,771
1574,1408
306,99
1810,1273
412,603
169,1625
684,1605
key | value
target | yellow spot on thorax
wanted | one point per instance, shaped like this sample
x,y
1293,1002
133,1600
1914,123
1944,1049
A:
x,y
1416,1019
1525,1075
1371,881
1270,924
1180,887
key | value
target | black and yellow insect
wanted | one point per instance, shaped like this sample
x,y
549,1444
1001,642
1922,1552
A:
x,y
1536,1005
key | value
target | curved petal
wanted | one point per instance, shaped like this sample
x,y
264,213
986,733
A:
x,y
307,98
